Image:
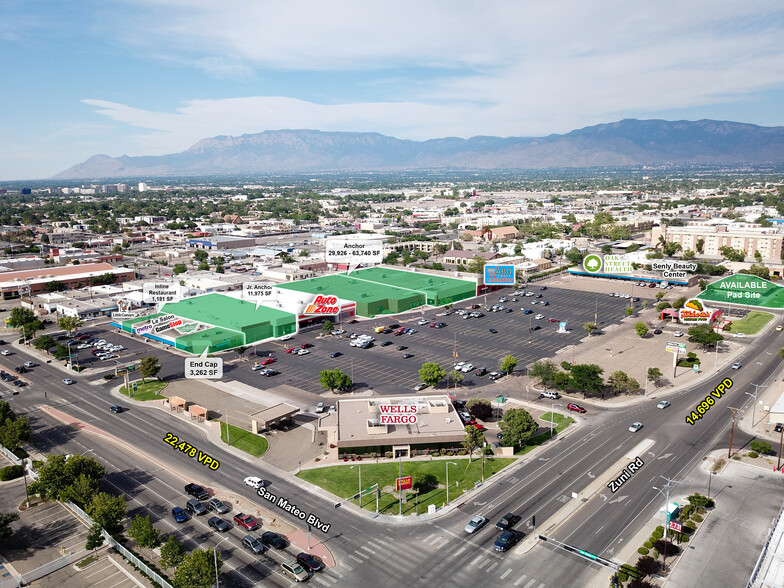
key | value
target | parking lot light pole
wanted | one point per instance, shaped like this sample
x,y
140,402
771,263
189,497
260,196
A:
x,y
215,558
552,418
447,480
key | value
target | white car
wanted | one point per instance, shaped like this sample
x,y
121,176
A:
x,y
663,404
67,381
84,346
5,352
254,482
635,427
739,335
467,367
539,317
677,334
737,365
459,365
475,524
421,322
256,367
320,407
302,352
529,294
289,337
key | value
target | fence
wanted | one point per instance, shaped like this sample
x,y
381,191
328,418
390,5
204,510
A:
x,y
129,555
50,567
774,531
10,456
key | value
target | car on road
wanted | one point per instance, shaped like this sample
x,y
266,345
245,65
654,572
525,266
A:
x,y
493,331
779,427
575,407
253,544
507,521
677,333
527,311
179,515
116,408
663,404
408,355
779,327
5,352
218,524
216,505
737,365
543,288
320,407
67,381
335,354
246,521
635,427
196,491
195,507
274,540
506,540
29,364
295,570
254,482
475,524
739,335
310,562
552,320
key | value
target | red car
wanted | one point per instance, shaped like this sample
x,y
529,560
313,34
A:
x,y
246,521
552,320
306,345
267,361
290,349
479,427
575,407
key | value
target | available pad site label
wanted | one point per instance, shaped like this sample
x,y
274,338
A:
x,y
158,292
353,252
209,368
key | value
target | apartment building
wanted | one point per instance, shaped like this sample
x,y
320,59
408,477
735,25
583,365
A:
x,y
766,240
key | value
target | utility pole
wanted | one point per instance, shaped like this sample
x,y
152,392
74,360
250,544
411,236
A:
x,y
781,442
732,430
754,396
666,495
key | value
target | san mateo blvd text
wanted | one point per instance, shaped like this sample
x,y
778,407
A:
x,y
284,504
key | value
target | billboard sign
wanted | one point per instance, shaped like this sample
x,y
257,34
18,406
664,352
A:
x,y
499,275
404,483
679,347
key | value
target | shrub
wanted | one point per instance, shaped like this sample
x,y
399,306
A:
x,y
648,565
690,524
696,517
659,529
657,535
761,447
11,473
642,551
736,457
622,577
661,545
753,454
648,544
701,510
699,500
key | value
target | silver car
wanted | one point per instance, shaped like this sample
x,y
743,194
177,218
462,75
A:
x,y
475,524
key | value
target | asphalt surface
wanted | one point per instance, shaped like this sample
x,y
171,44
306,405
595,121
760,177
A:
x,y
386,552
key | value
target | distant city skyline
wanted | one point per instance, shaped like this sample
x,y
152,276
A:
x,y
150,77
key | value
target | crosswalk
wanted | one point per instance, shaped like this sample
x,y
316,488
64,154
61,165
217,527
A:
x,y
474,559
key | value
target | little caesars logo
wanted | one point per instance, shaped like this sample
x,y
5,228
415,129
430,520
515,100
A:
x,y
612,264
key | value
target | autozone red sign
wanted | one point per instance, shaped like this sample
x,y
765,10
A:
x,y
322,305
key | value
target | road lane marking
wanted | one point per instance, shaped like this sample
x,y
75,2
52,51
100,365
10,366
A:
x,y
478,557
506,573
520,580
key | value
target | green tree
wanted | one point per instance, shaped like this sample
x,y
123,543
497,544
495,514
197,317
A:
x,y
20,316
704,335
641,329
56,475
508,364
679,302
200,255
81,490
700,245
473,439
203,266
149,367
561,380
480,408
629,311
144,533
69,323
179,268
620,382
44,343
197,569
108,511
335,380
424,482
543,370
5,524
54,286
477,265
606,249
95,538
590,328
702,284
327,327
13,431
659,296
517,427
688,254
654,374
587,377
575,256
431,373
172,553
391,258
455,377
240,351
662,306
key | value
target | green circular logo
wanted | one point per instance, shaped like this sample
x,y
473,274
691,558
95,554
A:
x,y
592,263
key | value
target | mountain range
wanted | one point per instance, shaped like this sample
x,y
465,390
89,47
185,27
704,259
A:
x,y
628,142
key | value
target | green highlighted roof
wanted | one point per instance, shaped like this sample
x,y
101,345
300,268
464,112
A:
x,y
745,289
439,290
224,311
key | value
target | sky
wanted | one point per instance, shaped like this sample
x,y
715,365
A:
x,y
150,77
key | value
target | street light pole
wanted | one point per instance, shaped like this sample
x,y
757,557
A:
x,y
359,465
447,480
754,396
666,510
552,418
215,557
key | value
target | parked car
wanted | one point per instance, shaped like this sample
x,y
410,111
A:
x,y
253,544
274,540
386,344
779,427
420,387
216,505
335,354
677,333
493,331
495,375
246,521
480,371
575,407
310,562
306,346
320,407
303,352
475,524
196,491
20,383
269,372
179,515
218,524
408,355
267,361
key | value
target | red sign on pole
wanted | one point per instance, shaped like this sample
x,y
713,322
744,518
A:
x,y
404,483
675,526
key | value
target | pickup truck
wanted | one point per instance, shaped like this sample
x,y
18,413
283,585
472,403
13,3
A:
x,y
246,521
196,491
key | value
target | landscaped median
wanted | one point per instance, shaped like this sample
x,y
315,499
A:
x,y
428,478
146,391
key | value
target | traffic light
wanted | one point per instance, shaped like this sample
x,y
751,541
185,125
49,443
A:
x,y
337,505
533,520
355,497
